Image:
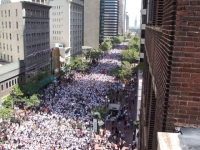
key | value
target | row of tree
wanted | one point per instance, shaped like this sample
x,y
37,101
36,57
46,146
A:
x,y
128,57
17,99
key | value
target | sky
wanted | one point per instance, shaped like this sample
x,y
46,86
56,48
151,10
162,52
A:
x,y
133,8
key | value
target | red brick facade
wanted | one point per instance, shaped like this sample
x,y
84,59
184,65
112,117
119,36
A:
x,y
171,77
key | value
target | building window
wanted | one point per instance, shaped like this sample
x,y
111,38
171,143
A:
x,y
16,12
144,19
9,13
144,4
9,24
12,82
142,48
143,34
11,58
9,83
17,37
6,85
10,47
2,87
8,57
10,37
17,25
18,49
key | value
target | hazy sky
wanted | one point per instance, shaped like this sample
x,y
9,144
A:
x,y
133,8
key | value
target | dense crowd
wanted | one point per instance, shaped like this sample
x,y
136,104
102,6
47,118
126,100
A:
x,y
64,120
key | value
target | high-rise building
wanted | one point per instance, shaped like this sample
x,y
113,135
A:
x,y
108,18
120,21
135,23
66,24
171,76
124,17
24,35
91,23
127,23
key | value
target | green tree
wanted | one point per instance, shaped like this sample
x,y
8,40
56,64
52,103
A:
x,y
8,102
134,42
140,66
4,112
17,90
33,100
130,55
78,63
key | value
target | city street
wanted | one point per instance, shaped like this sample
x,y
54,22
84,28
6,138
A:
x,y
64,121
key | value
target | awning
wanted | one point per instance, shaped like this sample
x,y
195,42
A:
x,y
62,59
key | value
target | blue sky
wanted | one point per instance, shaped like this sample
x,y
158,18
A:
x,y
133,8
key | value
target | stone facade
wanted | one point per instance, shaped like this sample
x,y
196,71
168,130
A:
x,y
91,23
25,35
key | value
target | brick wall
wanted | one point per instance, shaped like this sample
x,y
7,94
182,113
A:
x,y
184,96
172,60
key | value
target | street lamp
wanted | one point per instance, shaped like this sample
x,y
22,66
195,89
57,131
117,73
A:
x,y
12,93
106,98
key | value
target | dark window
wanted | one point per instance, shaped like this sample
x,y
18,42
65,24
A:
x,y
142,48
2,87
6,85
144,19
143,34
144,4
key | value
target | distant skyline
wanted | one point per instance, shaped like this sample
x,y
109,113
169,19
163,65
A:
x,y
133,8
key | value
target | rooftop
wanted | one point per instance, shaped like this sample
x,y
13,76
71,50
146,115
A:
x,y
186,139
7,67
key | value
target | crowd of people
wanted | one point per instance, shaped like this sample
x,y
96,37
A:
x,y
64,121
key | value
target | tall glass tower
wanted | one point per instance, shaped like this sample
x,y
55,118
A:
x,y
108,19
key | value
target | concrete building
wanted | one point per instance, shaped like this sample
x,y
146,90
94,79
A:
x,y
171,77
10,74
120,21
91,23
127,23
66,24
108,18
142,27
124,17
24,34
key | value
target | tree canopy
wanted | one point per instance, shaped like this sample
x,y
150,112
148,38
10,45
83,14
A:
x,y
106,45
130,55
94,54
134,42
77,63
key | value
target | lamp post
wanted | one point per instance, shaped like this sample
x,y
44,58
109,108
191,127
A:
x,y
106,98
13,94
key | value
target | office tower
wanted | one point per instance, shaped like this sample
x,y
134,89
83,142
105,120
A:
x,y
124,17
127,23
135,23
171,74
25,35
120,23
108,18
66,25
91,23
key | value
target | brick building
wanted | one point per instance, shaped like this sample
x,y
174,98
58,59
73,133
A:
x,y
171,76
